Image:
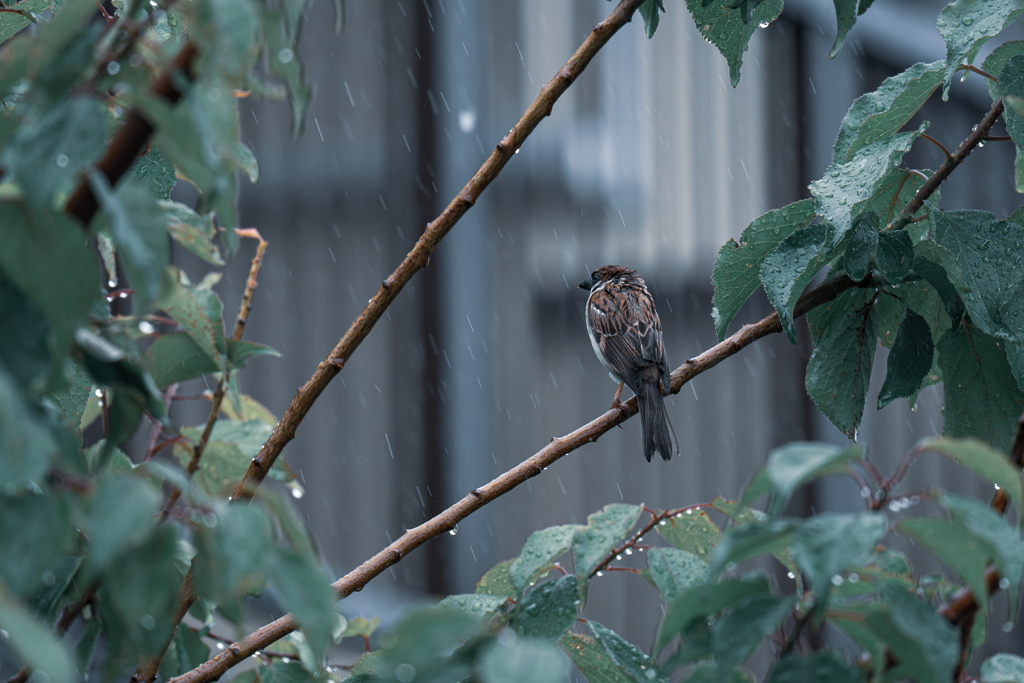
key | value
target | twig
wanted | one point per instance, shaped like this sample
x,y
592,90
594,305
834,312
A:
x,y
938,144
157,428
186,596
998,138
646,529
971,67
963,151
419,257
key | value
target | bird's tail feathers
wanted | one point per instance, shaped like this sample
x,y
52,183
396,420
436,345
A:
x,y
658,435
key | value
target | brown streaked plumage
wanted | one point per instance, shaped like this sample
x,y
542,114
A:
x,y
625,332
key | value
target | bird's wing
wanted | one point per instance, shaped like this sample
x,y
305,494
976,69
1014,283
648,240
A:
x,y
613,324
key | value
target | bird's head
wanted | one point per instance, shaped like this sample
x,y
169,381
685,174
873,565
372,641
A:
x,y
604,274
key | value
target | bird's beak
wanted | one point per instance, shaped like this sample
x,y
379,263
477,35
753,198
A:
x,y
587,284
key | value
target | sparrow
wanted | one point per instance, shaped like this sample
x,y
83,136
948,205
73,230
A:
x,y
625,332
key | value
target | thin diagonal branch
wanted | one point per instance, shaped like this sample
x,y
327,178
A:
x,y
531,467
419,257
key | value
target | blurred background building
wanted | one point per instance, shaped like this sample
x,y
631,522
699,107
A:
x,y
650,160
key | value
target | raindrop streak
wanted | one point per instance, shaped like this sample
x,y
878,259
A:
x,y
322,133
389,445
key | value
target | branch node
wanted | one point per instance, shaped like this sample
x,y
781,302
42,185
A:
x,y
336,362
466,198
477,492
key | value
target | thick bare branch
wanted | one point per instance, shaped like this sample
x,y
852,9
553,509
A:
x,y
419,257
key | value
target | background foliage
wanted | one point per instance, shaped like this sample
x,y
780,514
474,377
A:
x,y
97,327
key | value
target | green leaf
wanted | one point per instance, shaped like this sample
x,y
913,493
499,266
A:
x,y
361,626
895,256
604,530
1004,543
48,602
120,515
306,592
185,652
692,531
798,463
817,667
847,187
892,194
957,548
548,610
883,113
982,398
675,571
240,351
47,258
423,641
85,646
787,271
233,556
726,29
590,658
197,311
72,399
625,655
735,636
706,599
157,172
176,357
934,638
284,64
983,461
983,259
139,233
24,339
35,529
484,606
861,248
839,370
825,544
139,594
966,25
193,231
523,661
1003,668
738,266
48,153
33,642
936,275
649,10
910,360
26,444
743,542
846,17
738,511
712,673
497,581
222,466
12,22
227,34
542,548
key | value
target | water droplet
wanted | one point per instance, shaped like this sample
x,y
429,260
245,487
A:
x,y
454,530
148,622
853,578
62,160
113,68
729,566
49,579
837,580
791,575
1004,583
284,56
405,673
1007,627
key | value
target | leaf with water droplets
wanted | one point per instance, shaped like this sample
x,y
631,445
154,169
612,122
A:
x,y
675,571
157,172
911,358
542,548
484,606
548,610
695,533
882,113
795,464
984,259
1011,88
1003,668
846,17
590,657
966,25
725,27
604,530
839,370
704,600
861,247
735,636
628,657
497,581
786,271
895,256
848,186
737,268
983,461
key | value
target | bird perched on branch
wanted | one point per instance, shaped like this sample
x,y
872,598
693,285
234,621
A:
x,y
625,331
